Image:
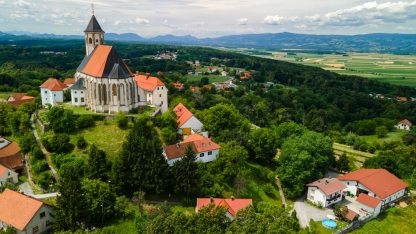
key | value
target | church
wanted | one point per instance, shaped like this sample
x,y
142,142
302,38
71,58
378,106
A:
x,y
105,84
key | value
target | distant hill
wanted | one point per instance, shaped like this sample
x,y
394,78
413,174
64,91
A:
x,y
377,43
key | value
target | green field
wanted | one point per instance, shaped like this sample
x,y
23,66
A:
x,y
391,136
108,137
212,78
394,220
357,156
394,69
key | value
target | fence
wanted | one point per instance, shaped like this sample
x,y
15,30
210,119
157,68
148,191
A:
x,y
355,224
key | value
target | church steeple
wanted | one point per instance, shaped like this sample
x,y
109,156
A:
x,y
94,35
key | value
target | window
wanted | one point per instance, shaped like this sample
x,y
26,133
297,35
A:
x,y
160,95
75,92
8,173
82,99
46,91
76,99
42,215
48,223
162,88
96,40
209,152
35,230
82,92
54,94
201,155
90,40
157,88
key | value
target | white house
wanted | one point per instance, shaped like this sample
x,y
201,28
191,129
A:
x,y
224,73
325,192
7,175
187,123
232,205
369,205
404,125
78,94
153,90
205,149
377,183
25,214
52,92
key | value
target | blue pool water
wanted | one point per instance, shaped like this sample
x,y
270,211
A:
x,y
331,224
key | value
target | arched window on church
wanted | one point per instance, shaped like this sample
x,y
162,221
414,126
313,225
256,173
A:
x,y
114,90
105,94
90,40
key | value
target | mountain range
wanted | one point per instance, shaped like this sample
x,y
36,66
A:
x,y
377,42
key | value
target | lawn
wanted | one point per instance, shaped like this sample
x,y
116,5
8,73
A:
x,y
393,220
78,110
108,137
391,136
4,95
316,227
212,78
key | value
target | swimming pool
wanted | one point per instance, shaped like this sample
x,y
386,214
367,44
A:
x,y
330,224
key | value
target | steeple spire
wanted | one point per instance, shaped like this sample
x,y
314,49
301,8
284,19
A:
x,y
92,8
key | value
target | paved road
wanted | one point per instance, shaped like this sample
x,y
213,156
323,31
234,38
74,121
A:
x,y
306,212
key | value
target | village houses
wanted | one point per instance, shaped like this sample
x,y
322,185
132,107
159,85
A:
x,y
187,123
232,205
404,125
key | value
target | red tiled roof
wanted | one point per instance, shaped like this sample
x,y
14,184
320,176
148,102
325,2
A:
x,y
233,205
3,170
328,186
194,88
201,143
53,85
406,122
17,96
10,156
20,98
368,200
350,215
182,114
69,81
148,82
178,85
379,181
17,209
177,150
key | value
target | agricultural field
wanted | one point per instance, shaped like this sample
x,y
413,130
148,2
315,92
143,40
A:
x,y
358,157
394,69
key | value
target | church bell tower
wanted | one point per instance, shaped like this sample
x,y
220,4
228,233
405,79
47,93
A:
x,y
94,35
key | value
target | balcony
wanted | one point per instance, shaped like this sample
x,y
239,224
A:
x,y
333,198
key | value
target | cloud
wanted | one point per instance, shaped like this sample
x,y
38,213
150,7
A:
x,y
142,21
273,19
243,21
22,4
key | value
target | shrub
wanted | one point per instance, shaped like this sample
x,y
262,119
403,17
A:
x,y
58,143
81,143
381,131
40,166
168,135
268,189
85,121
37,153
121,120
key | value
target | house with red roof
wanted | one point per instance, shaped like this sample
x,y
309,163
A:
x,y
178,85
10,155
187,123
325,192
232,205
17,99
7,176
205,149
52,92
24,214
404,125
69,82
153,90
378,184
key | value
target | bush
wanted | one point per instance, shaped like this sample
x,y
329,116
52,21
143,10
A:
x,y
268,189
40,166
58,143
121,120
168,135
37,153
381,131
85,121
44,179
81,143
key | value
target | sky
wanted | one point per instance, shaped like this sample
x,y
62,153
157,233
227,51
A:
x,y
210,18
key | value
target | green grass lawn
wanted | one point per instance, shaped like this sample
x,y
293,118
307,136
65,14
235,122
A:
x,y
78,110
391,136
108,137
317,227
212,78
393,220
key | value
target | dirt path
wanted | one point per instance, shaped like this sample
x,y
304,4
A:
x,y
29,176
45,152
282,195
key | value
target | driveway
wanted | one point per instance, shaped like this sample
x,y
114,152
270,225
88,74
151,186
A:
x,y
306,212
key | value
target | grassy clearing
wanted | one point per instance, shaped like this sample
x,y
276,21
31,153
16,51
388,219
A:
x,y
393,220
317,227
212,78
108,137
357,157
78,110
391,136
4,95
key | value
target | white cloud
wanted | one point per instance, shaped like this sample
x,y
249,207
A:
x,y
273,19
22,4
243,21
142,21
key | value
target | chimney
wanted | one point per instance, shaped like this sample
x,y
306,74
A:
x,y
137,72
147,75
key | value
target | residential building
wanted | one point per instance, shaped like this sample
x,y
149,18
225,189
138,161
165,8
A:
x,y
179,86
7,176
205,149
17,99
404,125
325,192
10,155
377,183
187,123
78,95
25,214
224,73
69,82
153,90
368,204
232,205
52,92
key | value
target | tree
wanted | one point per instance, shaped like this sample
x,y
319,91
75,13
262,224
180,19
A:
x,y
81,143
168,135
381,131
262,144
121,120
343,163
61,120
71,208
57,142
286,130
185,173
230,161
141,165
304,159
85,121
98,165
99,201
